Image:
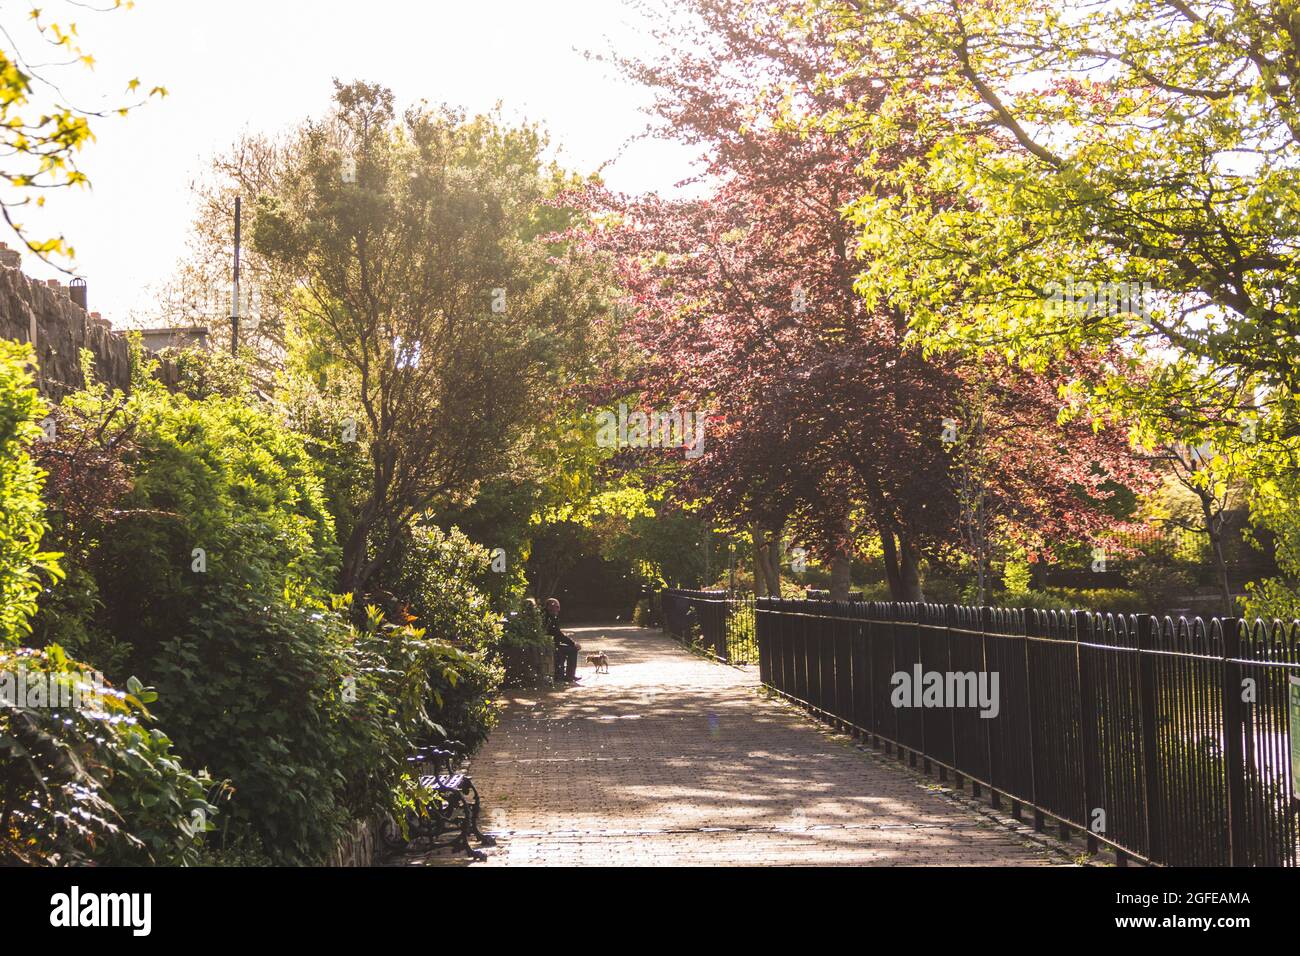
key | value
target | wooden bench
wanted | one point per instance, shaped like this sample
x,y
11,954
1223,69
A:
x,y
455,811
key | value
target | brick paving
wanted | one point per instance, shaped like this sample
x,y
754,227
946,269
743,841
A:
x,y
671,759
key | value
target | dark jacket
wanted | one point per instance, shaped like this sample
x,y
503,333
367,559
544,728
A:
x,y
553,628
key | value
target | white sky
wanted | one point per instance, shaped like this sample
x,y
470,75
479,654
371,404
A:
x,y
266,64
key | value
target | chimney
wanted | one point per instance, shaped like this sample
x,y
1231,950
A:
x,y
77,292
10,258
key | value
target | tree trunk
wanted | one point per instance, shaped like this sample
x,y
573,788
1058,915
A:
x,y
840,567
355,555
892,576
1038,574
840,583
1214,528
774,563
908,571
760,562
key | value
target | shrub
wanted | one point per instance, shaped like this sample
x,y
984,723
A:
x,y
312,718
90,782
1271,598
527,651
433,583
209,569
249,660
22,515
1016,573
1109,600
525,628
641,613
86,780
218,498
465,698
201,373
1043,600
1159,585
88,476
407,689
255,692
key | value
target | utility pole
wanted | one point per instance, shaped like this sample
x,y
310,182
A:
x,y
234,299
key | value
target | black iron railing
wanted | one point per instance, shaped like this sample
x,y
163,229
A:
x,y
720,623
1166,740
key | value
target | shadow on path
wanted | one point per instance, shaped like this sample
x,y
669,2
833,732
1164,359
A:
x,y
673,759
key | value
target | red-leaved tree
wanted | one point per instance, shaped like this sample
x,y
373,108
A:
x,y
743,304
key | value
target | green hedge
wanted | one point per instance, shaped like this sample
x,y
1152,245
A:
x,y
90,778
211,573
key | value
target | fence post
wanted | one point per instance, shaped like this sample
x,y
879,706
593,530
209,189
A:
x,y
918,617
866,680
722,613
1147,714
1087,725
1233,753
1031,630
952,711
986,624
896,729
869,635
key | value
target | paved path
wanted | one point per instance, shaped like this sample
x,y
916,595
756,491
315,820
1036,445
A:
x,y
672,759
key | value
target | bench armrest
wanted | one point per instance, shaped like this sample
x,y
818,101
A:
x,y
440,759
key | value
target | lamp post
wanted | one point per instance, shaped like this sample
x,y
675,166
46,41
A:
x,y
234,299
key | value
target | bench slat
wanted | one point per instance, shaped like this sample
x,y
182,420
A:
x,y
443,781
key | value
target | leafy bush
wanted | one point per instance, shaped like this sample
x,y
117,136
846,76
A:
x,y
1115,600
525,628
1271,598
255,692
85,779
22,515
89,782
433,583
214,579
1159,585
206,563
87,468
217,498
526,650
1111,600
1016,573
465,697
202,373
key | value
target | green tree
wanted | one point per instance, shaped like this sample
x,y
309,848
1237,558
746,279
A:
x,y
22,514
41,132
1137,201
431,294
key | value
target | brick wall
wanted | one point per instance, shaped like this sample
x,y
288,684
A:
x,y
44,313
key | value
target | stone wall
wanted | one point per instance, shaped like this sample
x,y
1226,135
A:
x,y
44,313
359,846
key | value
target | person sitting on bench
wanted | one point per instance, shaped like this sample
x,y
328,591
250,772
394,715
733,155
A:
x,y
566,649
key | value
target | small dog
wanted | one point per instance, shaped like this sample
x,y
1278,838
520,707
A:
x,y
599,661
